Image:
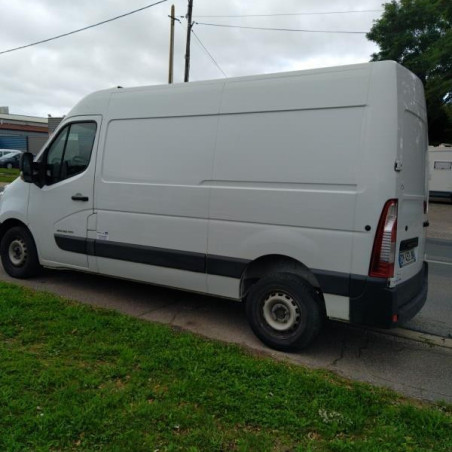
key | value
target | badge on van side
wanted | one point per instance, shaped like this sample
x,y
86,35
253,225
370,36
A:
x,y
102,235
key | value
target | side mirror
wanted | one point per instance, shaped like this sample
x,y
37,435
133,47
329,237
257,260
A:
x,y
26,167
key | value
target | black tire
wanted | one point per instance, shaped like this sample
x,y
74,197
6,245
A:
x,y
283,311
18,253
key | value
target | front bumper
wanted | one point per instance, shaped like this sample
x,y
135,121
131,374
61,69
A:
x,y
375,304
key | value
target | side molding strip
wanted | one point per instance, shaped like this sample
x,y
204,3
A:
x,y
330,282
182,260
160,257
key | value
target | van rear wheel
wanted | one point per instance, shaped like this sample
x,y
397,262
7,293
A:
x,y
18,253
283,311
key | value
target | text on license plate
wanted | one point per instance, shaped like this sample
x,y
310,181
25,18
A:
x,y
406,257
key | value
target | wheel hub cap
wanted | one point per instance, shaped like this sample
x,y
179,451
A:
x,y
17,252
280,311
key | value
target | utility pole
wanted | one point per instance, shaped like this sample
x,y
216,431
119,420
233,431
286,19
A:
x,y
171,50
187,49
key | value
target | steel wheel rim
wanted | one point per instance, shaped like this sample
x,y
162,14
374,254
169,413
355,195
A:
x,y
17,252
280,312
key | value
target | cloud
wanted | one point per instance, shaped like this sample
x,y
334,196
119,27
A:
x,y
51,77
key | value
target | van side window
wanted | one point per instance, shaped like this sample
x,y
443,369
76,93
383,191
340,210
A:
x,y
70,152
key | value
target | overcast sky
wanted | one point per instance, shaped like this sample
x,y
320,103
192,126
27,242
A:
x,y
50,78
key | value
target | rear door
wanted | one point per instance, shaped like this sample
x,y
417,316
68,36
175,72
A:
x,y
412,182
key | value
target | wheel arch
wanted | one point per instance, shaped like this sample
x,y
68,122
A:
x,y
277,263
11,223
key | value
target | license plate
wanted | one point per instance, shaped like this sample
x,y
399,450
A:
x,y
406,258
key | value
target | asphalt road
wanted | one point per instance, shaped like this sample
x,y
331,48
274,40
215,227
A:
x,y
439,250
436,315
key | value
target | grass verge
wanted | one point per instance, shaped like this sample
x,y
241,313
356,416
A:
x,y
73,377
8,175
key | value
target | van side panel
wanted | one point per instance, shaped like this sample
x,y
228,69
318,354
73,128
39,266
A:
x,y
150,199
284,179
253,183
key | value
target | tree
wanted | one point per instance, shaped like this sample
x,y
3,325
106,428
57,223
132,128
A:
x,y
418,34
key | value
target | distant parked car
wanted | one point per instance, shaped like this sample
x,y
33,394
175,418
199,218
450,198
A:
x,y
11,160
4,152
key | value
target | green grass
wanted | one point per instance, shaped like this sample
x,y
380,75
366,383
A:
x,y
74,377
8,175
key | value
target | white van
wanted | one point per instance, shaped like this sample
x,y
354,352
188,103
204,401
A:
x,y
302,194
440,164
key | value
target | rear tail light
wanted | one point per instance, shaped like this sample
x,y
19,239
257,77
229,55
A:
x,y
384,250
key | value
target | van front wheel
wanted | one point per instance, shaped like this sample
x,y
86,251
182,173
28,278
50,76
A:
x,y
18,253
283,312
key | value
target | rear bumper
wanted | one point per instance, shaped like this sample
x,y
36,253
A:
x,y
375,304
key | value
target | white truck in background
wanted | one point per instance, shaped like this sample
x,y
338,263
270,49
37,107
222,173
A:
x,y
232,188
440,171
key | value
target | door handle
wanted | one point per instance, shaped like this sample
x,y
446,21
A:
x,y
79,197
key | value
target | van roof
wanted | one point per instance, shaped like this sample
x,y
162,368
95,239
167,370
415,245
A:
x,y
97,102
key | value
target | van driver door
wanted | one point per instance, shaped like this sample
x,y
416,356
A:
x,y
59,210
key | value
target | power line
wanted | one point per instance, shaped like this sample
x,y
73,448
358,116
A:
x,y
282,29
208,53
83,29
301,14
